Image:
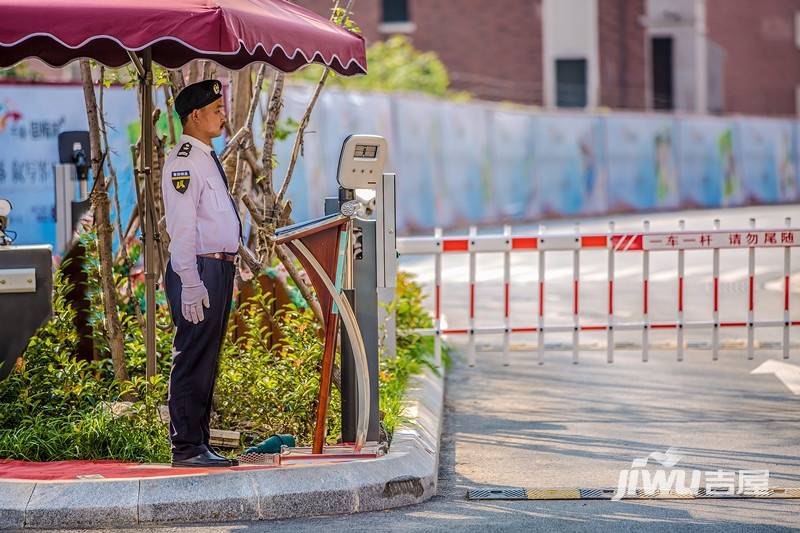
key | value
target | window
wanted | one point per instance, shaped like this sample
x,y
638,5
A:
x,y
395,11
661,65
396,18
797,29
571,83
797,100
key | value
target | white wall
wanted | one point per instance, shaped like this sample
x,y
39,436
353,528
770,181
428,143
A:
x,y
569,29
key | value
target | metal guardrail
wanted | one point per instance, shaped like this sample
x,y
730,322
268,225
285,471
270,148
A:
x,y
645,243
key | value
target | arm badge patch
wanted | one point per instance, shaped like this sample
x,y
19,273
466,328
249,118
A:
x,y
180,180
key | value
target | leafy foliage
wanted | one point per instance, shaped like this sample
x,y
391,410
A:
x,y
263,389
414,353
55,407
20,71
394,65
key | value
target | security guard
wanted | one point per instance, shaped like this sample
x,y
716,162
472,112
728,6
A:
x,y
204,231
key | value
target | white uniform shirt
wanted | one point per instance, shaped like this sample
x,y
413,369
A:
x,y
200,214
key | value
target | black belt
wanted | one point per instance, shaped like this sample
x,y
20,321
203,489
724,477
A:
x,y
224,256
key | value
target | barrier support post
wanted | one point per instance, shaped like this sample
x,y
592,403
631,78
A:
x,y
540,328
681,261
715,273
506,295
751,272
610,330
576,272
646,294
473,232
787,258
437,268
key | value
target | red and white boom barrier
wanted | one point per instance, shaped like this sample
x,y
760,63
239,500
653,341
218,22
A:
x,y
644,243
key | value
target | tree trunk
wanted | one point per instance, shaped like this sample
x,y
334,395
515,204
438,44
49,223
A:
x,y
241,89
170,117
195,71
102,223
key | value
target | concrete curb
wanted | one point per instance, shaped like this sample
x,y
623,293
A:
x,y
406,475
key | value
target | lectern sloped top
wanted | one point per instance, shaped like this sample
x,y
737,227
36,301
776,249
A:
x,y
321,237
309,227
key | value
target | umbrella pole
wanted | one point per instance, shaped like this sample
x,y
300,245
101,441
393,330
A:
x,y
149,233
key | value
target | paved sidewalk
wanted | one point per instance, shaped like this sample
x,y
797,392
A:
x,y
406,475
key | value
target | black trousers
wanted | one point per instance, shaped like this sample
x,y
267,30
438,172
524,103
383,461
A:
x,y
195,356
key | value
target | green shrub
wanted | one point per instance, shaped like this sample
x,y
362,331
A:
x,y
54,407
263,389
414,352
394,65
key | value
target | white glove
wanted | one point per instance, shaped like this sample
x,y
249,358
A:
x,y
193,298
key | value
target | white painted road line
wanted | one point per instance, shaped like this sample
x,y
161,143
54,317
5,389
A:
x,y
788,374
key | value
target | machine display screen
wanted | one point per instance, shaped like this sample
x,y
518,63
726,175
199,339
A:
x,y
366,151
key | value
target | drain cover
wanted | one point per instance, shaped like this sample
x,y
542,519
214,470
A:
x,y
498,494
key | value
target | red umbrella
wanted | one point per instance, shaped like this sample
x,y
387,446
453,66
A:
x,y
232,33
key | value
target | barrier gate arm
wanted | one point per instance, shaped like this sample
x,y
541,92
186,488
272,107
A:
x,y
614,242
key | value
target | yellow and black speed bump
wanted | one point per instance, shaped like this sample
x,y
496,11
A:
x,y
608,494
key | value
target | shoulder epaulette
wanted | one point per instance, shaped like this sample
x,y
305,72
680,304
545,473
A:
x,y
184,150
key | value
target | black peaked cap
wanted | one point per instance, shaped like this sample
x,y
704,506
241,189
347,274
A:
x,y
197,95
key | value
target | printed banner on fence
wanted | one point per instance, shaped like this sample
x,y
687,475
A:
x,y
456,163
706,168
641,163
31,118
566,166
766,160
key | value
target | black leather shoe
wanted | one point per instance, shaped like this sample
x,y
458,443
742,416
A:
x,y
205,460
213,452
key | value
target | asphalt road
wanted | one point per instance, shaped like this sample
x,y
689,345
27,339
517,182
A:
x,y
562,425
565,425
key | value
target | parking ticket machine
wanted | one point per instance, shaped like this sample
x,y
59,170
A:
x,y
371,267
26,286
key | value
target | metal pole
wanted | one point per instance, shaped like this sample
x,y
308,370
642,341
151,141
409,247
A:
x,y
610,330
149,223
576,272
646,297
437,347
787,270
473,232
715,332
751,273
540,323
506,295
681,269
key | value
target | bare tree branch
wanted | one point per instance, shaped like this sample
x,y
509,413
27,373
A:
x,y
178,82
102,223
123,247
170,117
298,140
273,113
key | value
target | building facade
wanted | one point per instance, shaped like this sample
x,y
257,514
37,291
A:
x,y
716,56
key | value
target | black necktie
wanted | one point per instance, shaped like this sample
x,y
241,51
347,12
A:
x,y
225,179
